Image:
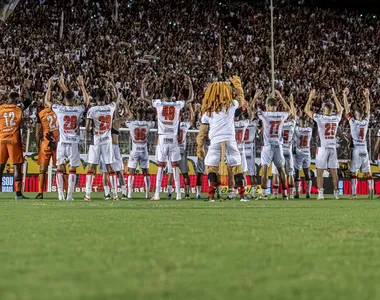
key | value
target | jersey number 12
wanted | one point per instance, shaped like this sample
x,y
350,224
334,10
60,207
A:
x,y
9,119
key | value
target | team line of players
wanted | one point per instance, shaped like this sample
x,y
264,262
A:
x,y
281,132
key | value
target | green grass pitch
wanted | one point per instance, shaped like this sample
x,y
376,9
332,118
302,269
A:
x,y
141,249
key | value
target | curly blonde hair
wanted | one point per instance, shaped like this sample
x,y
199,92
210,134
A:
x,y
217,96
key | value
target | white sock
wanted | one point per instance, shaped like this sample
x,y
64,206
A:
x,y
199,190
264,191
124,189
170,189
59,178
320,192
177,181
72,181
275,190
159,180
298,187
291,191
254,190
354,183
106,190
130,185
308,186
370,184
89,178
147,185
113,180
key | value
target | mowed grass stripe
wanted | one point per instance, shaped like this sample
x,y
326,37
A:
x,y
140,249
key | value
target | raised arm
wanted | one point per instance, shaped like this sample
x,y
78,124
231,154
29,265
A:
x,y
61,82
86,98
191,90
346,91
292,107
339,107
115,92
367,105
192,114
283,102
143,92
236,81
252,104
48,102
28,95
308,110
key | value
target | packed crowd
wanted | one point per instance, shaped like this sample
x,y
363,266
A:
x,y
164,39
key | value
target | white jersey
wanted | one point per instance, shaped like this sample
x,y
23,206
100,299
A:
x,y
327,128
273,123
359,131
221,125
303,138
139,131
250,133
240,132
68,118
102,116
168,115
183,129
288,132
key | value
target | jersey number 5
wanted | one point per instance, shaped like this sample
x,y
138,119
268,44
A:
x,y
70,122
105,123
330,129
168,112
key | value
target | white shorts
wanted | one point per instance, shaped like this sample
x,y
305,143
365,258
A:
x,y
243,159
250,155
289,164
360,160
117,165
327,158
272,154
103,152
167,148
214,154
302,159
183,165
68,151
138,157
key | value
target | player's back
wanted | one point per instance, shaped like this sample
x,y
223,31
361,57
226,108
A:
x,y
250,133
139,131
68,118
359,129
10,119
183,129
288,132
102,116
241,131
168,116
48,120
273,123
221,124
303,137
327,129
